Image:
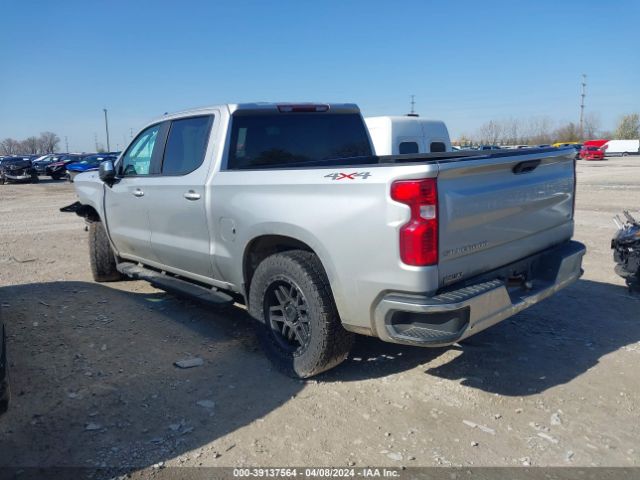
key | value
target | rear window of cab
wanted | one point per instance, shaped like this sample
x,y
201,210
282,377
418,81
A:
x,y
265,141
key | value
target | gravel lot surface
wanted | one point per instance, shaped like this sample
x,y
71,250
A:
x,y
94,381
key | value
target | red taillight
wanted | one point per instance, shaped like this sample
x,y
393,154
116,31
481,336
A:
x,y
302,108
419,236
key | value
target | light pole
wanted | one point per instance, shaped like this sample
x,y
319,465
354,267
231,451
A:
x,y
106,126
582,95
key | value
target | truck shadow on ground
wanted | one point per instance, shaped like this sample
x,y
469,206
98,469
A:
x,y
549,344
544,346
94,382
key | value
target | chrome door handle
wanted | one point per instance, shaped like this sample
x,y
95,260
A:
x,y
191,195
138,193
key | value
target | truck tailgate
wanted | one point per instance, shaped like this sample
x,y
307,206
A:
x,y
495,211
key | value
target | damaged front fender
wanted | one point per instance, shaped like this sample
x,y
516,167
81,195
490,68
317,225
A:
x,y
85,211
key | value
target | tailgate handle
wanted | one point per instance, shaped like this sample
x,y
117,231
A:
x,y
526,167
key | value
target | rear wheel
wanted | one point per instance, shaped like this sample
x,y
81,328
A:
x,y
103,260
300,329
624,154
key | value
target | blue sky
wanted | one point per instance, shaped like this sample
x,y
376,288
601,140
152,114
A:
x,y
467,62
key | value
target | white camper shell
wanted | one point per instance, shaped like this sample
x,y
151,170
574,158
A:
x,y
397,135
621,147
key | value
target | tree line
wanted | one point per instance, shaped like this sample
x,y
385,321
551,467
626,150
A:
x,y
47,142
542,130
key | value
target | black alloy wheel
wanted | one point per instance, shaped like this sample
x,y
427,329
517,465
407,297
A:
x,y
286,311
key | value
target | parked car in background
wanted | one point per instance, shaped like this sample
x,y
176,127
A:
x,y
589,152
4,369
403,135
459,148
41,163
489,147
595,143
621,147
58,170
564,144
87,164
578,148
17,169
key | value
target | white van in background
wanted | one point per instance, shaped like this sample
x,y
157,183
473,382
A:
x,y
397,135
621,147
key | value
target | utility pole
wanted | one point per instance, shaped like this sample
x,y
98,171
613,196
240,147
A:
x,y
413,110
582,95
95,138
106,126
66,143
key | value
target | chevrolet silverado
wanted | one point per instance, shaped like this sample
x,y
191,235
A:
x,y
286,209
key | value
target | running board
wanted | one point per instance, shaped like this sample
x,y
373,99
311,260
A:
x,y
175,285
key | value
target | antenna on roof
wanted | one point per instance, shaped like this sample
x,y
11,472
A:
x,y
413,104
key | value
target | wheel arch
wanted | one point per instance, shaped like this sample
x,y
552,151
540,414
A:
x,y
265,245
88,212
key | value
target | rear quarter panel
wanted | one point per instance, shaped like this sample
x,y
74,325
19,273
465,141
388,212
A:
x,y
351,224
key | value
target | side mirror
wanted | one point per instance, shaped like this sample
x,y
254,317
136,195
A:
x,y
107,172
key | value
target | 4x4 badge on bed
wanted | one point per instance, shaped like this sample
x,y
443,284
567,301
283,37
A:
x,y
348,176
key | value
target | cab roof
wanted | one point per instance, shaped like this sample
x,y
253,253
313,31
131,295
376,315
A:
x,y
263,107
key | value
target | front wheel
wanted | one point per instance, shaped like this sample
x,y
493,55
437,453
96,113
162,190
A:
x,y
299,329
103,260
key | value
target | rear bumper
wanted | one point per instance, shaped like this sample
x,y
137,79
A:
x,y
456,314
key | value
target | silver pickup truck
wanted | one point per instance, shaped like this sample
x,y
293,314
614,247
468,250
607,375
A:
x,y
286,209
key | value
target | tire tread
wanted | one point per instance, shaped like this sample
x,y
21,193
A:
x,y
103,261
336,342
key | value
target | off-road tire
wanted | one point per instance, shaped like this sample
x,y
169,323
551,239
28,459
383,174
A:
x,y
328,342
103,260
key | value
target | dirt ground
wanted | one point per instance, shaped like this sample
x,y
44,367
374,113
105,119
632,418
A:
x,y
94,381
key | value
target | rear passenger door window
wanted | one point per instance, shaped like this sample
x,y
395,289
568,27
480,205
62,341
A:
x,y
137,160
186,145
